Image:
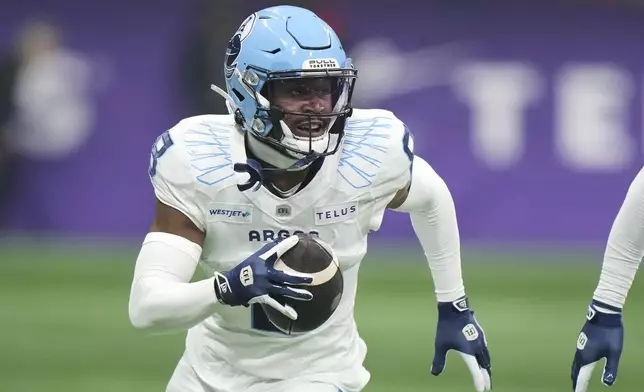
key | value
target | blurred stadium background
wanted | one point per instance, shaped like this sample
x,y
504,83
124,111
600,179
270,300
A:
x,y
531,111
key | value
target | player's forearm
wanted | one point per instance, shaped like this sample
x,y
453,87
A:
x,y
161,297
160,305
433,218
625,248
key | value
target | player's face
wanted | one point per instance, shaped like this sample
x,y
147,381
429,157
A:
x,y
310,96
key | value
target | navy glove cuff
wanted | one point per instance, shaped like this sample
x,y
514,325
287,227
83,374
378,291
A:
x,y
597,317
453,309
606,306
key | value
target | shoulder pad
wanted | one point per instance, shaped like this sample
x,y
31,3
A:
x,y
377,149
206,143
193,153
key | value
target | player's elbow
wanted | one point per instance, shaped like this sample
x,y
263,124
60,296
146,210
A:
x,y
145,317
140,315
142,310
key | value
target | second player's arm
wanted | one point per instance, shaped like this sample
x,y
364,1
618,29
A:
x,y
602,335
624,249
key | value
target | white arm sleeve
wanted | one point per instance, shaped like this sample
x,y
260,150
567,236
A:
x,y
161,297
433,217
625,248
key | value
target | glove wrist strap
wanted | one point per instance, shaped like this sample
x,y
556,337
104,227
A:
x,y
221,287
454,308
596,316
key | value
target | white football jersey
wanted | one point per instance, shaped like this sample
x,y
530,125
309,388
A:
x,y
192,171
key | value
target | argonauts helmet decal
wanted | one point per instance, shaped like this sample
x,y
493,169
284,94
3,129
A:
x,y
235,44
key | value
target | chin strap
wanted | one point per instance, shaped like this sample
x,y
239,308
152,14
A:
x,y
254,170
259,175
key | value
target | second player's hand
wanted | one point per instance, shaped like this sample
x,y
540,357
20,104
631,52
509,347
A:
x,y
458,330
255,280
602,336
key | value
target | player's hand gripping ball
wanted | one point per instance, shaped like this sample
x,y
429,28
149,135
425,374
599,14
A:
x,y
310,257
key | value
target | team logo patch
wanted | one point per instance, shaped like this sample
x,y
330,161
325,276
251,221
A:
x,y
581,341
334,214
283,210
230,213
470,332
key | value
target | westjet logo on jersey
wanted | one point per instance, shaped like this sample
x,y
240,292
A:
x,y
272,235
232,213
334,214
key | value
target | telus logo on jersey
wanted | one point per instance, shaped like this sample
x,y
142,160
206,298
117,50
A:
x,y
231,213
272,235
334,214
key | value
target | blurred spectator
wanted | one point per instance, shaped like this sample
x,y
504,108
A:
x,y
53,112
45,110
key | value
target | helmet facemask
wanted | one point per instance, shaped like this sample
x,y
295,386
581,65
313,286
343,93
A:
x,y
304,112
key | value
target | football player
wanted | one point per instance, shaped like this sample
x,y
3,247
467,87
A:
x,y
293,156
602,335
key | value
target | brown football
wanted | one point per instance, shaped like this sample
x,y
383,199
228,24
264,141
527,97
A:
x,y
309,257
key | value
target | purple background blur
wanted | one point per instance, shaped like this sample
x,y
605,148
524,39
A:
x,y
532,115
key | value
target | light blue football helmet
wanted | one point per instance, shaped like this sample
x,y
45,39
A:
x,y
278,44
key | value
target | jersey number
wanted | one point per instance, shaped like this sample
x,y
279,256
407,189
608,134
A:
x,y
159,148
408,146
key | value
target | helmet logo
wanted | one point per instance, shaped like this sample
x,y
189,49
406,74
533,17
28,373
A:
x,y
320,64
235,44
